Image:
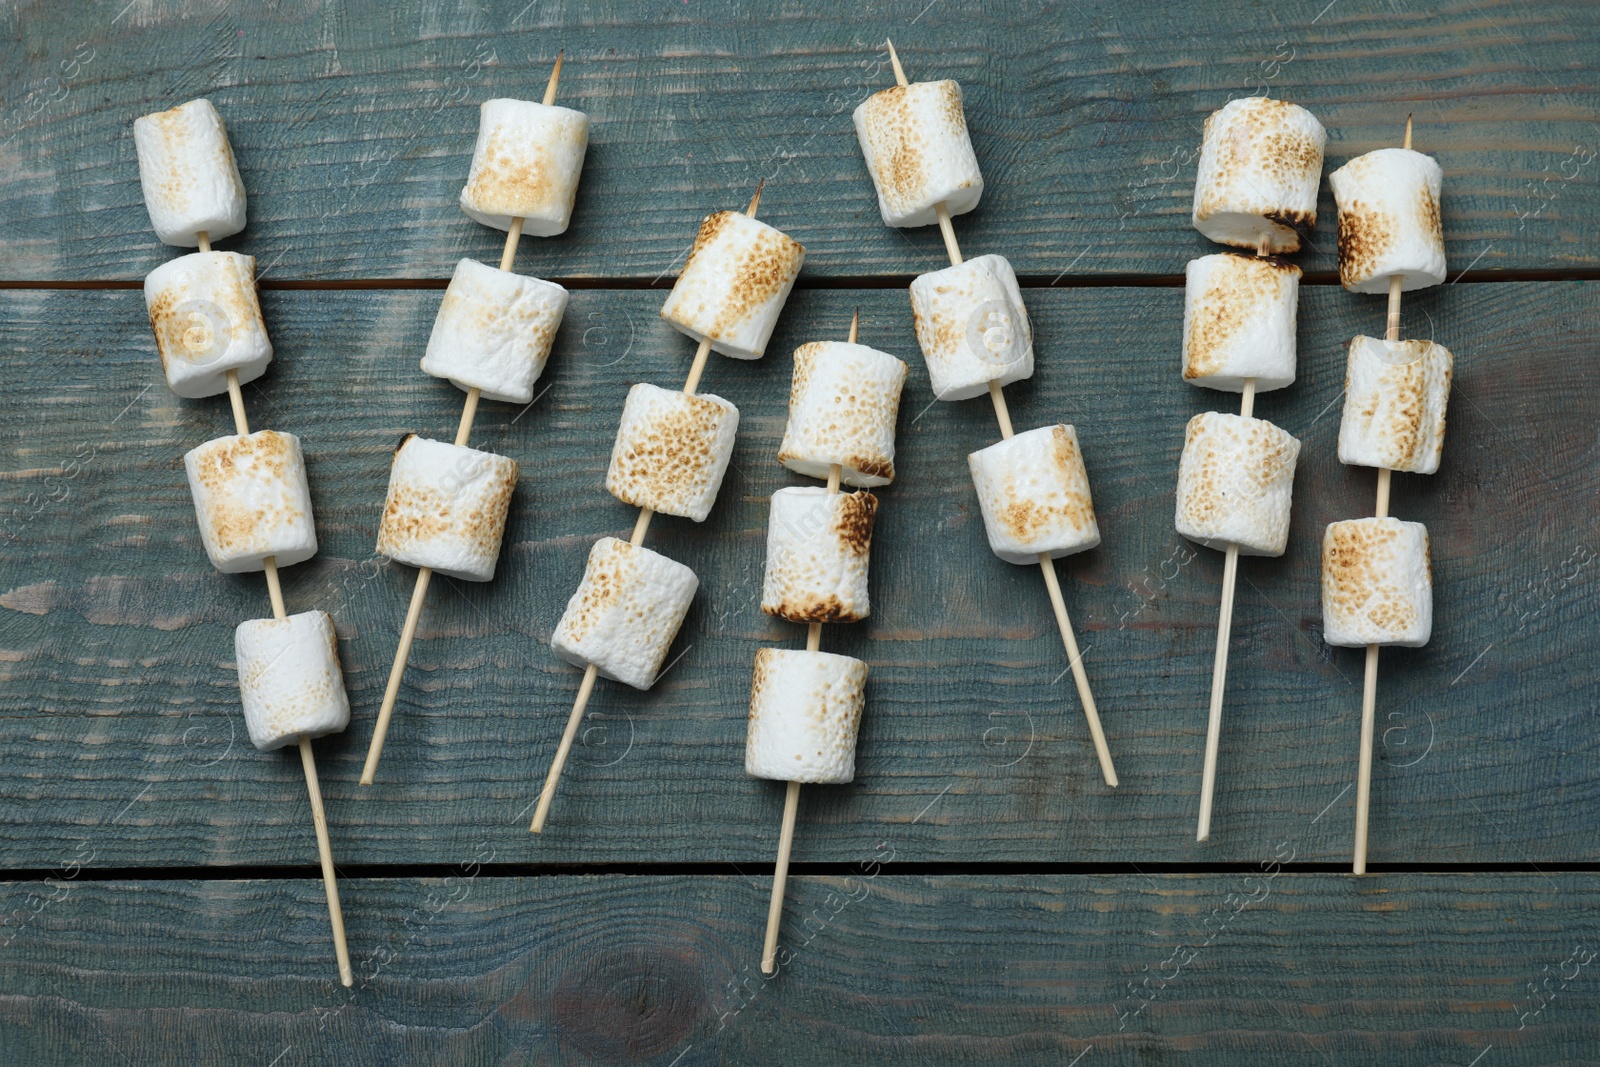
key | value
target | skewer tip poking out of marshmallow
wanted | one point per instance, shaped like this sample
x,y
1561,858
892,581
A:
x,y
252,501
1260,165
526,165
1239,322
446,508
191,181
843,402
625,613
734,285
805,713
1033,490
1377,583
972,327
1235,481
671,451
494,331
289,679
818,546
1394,404
207,322
914,139
1389,221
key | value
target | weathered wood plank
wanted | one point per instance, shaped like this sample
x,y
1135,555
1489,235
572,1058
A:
x,y
120,704
354,123
1291,969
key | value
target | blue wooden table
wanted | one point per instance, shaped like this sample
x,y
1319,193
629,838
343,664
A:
x,y
977,895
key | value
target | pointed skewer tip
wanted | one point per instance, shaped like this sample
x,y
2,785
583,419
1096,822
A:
x,y
755,201
555,79
894,60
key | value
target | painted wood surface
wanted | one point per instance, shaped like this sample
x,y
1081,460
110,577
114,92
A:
x,y
354,123
120,701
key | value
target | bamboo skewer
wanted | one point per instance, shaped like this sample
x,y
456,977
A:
x,y
640,526
1369,680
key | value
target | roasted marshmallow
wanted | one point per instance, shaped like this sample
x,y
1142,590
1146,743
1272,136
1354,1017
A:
x,y
207,321
734,285
1234,483
1389,221
1377,583
842,407
1260,165
914,139
446,508
1394,398
191,182
671,451
818,544
289,679
805,712
526,165
972,327
626,612
1034,493
252,500
1238,322
494,331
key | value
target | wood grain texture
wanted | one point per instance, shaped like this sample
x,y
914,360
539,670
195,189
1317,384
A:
x,y
119,710
1293,970
354,123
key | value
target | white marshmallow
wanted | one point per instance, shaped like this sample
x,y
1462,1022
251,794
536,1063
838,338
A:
x,y
526,165
252,500
1389,221
446,508
1238,322
1033,490
1260,165
735,284
818,544
1394,399
1377,583
842,407
805,713
207,321
1235,482
289,679
625,613
494,331
972,327
191,182
914,139
672,450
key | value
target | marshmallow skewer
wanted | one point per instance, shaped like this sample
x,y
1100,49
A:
x,y
1052,584
419,593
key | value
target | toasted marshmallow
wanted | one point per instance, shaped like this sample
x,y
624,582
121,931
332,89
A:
x,y
1033,490
625,613
842,407
526,165
972,327
289,679
1235,481
494,331
735,284
1238,322
671,451
1389,221
1260,165
818,544
446,508
252,500
191,182
805,712
914,139
1377,583
207,321
1394,399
